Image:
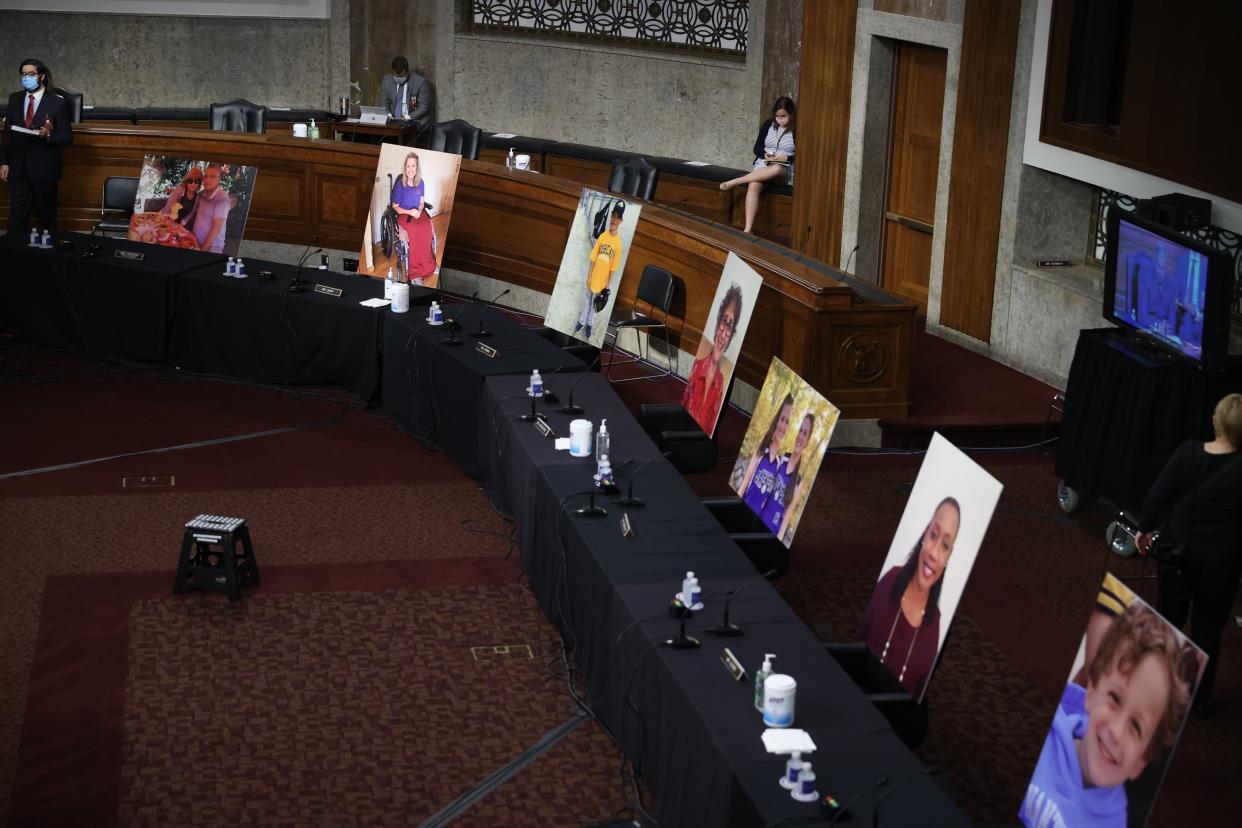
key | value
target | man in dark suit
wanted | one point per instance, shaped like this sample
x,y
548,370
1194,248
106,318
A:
x,y
36,125
406,95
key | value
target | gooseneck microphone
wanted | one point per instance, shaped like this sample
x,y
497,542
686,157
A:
x,y
569,407
296,284
483,333
637,502
726,629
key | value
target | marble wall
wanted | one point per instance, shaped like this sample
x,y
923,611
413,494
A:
x,y
141,61
639,100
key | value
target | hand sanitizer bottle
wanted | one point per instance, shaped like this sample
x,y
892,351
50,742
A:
x,y
602,441
761,677
536,384
313,131
511,161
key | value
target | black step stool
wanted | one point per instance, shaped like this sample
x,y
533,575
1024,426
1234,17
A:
x,y
208,536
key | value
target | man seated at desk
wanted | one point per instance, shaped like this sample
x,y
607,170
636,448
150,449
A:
x,y
406,95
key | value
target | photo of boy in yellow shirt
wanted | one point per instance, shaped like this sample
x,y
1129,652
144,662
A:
x,y
604,260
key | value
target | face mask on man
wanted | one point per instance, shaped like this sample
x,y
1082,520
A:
x,y
30,82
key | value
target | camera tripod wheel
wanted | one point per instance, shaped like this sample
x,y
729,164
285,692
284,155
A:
x,y
1120,539
1067,498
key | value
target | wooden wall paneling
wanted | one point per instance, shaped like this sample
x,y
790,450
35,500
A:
x,y
773,221
512,226
977,180
824,81
782,49
592,174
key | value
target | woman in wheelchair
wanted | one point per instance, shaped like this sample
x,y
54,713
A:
x,y
410,214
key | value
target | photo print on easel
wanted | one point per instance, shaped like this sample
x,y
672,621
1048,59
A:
x,y
928,564
721,343
408,220
1119,717
591,268
193,205
783,449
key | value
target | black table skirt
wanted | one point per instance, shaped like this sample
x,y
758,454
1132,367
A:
x,y
252,328
1126,410
435,390
100,305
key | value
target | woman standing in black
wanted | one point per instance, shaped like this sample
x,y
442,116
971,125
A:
x,y
1197,504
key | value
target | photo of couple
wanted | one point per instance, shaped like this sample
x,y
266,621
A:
x,y
194,205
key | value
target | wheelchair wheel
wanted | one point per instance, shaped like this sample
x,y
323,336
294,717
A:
x,y
388,231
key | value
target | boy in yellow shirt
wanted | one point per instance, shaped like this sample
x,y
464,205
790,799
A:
x,y
605,258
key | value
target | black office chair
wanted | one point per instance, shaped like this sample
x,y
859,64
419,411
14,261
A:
x,y
74,99
764,550
634,177
117,208
456,136
238,116
673,430
655,289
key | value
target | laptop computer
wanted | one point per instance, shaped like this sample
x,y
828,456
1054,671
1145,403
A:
x,y
373,115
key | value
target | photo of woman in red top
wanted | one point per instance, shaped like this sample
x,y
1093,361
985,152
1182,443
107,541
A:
x,y
709,375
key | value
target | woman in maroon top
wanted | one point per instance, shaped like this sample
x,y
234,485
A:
x,y
706,383
903,622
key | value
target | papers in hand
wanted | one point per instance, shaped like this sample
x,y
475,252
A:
x,y
23,130
375,303
787,740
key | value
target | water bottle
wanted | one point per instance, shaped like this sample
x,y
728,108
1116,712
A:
x,y
230,269
34,237
536,384
511,160
603,474
388,283
240,273
47,240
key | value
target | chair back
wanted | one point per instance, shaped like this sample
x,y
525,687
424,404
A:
x,y
119,192
238,116
456,136
634,177
656,287
74,99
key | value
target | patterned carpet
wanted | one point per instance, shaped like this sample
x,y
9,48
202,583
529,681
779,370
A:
x,y
345,691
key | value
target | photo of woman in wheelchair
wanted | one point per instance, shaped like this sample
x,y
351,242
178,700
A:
x,y
406,226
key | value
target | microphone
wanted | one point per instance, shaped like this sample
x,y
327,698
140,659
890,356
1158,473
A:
x,y
452,324
629,499
805,240
295,284
727,630
483,333
569,407
590,510
850,259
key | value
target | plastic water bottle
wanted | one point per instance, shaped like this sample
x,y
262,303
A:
x,y
511,160
230,269
47,240
436,316
536,384
603,474
805,792
761,677
388,283
793,769
690,593
602,441
240,272
34,237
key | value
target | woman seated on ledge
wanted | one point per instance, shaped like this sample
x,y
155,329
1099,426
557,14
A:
x,y
774,157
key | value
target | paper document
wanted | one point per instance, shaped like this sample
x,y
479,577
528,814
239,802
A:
x,y
505,135
374,303
23,130
787,740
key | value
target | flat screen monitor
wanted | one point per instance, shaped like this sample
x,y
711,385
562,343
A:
x,y
1172,291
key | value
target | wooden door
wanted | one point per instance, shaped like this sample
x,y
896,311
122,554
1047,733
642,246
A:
x,y
913,166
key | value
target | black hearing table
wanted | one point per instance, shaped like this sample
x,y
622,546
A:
x,y
677,714
100,304
434,389
255,329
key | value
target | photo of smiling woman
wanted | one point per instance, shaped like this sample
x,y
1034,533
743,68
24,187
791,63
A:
x,y
928,564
